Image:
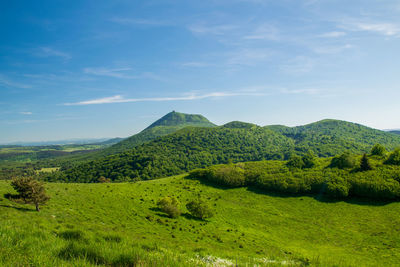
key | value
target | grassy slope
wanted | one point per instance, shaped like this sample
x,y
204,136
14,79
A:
x,y
270,227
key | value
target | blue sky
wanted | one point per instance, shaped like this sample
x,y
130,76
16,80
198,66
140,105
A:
x,y
90,69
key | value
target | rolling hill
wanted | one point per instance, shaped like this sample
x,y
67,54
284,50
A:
x,y
194,147
169,123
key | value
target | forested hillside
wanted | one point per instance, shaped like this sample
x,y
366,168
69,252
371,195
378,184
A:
x,y
331,137
195,147
189,148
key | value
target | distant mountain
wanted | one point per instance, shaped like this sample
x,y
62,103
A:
x,y
168,124
76,141
194,147
395,131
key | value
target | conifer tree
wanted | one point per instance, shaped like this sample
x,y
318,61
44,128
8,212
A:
x,y
365,165
30,191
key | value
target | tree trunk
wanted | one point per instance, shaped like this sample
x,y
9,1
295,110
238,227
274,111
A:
x,y
37,207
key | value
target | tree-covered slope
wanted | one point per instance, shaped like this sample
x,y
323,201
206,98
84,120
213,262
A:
x,y
395,131
331,137
170,123
189,148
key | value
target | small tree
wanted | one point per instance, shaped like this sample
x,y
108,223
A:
x,y
344,161
295,162
30,191
199,209
394,157
170,206
365,165
103,179
309,160
378,150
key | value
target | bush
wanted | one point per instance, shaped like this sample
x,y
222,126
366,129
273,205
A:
x,y
199,209
344,161
394,157
309,160
378,150
295,162
170,206
337,187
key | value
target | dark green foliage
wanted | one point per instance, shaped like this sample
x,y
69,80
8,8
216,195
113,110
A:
x,y
344,161
337,187
230,175
378,150
295,162
170,206
30,191
365,164
309,160
383,182
394,157
199,209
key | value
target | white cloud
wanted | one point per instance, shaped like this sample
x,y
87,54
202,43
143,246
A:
x,y
115,72
50,52
25,113
299,65
264,32
137,21
7,82
195,64
249,57
300,91
388,29
334,34
187,97
332,49
211,29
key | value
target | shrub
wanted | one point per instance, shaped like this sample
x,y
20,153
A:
x,y
199,209
295,162
344,161
378,150
170,206
309,160
394,157
228,175
337,187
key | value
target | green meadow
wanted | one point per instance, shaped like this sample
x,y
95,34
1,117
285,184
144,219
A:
x,y
120,225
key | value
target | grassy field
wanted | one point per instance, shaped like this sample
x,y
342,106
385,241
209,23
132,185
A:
x,y
120,225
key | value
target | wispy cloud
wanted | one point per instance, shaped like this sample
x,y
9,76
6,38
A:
x,y
139,21
110,72
9,83
264,32
309,91
196,64
50,52
187,97
334,34
387,29
298,65
25,113
202,28
332,49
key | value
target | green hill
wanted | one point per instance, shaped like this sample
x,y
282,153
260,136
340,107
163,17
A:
x,y
195,147
395,132
331,137
170,123
186,149
120,225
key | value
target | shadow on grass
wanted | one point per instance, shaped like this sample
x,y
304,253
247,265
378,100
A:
x,y
323,198
18,208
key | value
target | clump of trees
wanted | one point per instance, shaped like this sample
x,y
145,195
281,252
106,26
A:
x,y
378,150
30,191
170,205
394,157
200,209
344,161
343,176
304,162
